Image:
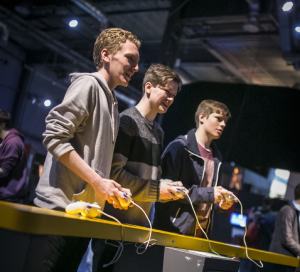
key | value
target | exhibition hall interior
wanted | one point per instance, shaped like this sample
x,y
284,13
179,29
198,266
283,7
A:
x,y
243,53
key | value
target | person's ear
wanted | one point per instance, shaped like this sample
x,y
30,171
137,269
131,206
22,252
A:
x,y
105,55
2,125
202,117
148,87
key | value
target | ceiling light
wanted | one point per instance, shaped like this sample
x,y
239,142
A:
x,y
287,6
73,23
297,29
47,103
252,24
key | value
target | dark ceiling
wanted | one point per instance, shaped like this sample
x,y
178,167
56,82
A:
x,y
221,49
202,40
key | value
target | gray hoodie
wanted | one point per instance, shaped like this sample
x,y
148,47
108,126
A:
x,y
86,121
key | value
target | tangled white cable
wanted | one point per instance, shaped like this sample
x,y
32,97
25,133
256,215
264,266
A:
x,y
148,243
120,246
260,263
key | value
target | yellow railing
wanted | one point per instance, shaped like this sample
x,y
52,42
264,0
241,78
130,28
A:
x,y
33,220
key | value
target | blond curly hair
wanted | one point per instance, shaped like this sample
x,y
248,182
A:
x,y
112,40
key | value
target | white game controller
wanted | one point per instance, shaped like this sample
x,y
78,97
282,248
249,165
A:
x,y
84,208
125,202
180,191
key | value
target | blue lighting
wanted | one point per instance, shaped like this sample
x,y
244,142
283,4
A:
x,y
73,23
238,219
47,103
287,6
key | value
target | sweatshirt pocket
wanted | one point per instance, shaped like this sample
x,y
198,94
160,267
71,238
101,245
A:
x,y
86,195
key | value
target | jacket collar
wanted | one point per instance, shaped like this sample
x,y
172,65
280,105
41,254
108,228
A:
x,y
192,145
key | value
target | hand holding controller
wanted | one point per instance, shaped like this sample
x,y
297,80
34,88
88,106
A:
x,y
180,191
125,202
84,208
229,198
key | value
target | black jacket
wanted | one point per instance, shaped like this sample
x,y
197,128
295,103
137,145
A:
x,y
285,238
182,161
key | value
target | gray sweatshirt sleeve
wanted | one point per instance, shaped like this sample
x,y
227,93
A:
x,y
64,119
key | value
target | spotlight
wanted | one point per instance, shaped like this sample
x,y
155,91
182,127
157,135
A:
x,y
47,103
297,29
287,6
73,23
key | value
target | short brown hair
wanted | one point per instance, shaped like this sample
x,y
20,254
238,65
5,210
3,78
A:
x,y
112,40
207,107
159,74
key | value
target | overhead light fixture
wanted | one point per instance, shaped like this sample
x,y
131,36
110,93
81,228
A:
x,y
252,24
287,6
297,28
47,103
73,23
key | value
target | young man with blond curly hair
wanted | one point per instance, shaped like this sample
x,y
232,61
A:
x,y
80,138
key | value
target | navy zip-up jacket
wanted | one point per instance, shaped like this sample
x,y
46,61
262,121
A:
x,y
182,161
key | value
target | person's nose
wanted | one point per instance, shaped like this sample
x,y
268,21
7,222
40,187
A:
x,y
136,68
223,124
170,98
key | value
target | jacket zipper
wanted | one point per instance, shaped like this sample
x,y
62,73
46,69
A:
x,y
200,158
212,205
217,179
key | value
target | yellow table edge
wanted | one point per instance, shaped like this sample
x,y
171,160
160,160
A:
x,y
38,221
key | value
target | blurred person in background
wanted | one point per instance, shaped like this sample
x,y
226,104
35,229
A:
x,y
285,239
13,162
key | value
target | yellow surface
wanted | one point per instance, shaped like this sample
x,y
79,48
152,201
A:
x,y
33,220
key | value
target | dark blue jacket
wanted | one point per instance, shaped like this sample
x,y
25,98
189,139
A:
x,y
182,161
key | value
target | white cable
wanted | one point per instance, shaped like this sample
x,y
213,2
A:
x,y
121,246
200,226
147,243
259,265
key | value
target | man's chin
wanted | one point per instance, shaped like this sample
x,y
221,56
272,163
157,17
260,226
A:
x,y
216,137
162,111
124,84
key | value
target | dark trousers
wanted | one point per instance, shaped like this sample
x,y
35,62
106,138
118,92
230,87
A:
x,y
64,253
103,254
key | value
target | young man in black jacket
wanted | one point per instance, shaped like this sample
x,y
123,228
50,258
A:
x,y
195,160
